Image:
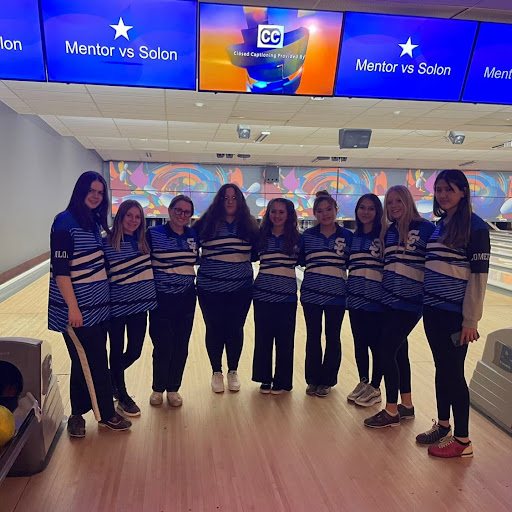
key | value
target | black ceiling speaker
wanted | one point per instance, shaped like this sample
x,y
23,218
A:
x,y
355,138
271,174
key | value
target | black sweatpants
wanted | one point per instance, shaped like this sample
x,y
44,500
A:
x,y
366,331
274,320
451,387
396,326
89,358
323,372
224,315
170,327
135,326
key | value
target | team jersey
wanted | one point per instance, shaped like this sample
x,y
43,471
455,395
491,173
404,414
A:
x,y
447,270
276,280
173,257
365,267
77,253
404,267
225,262
325,259
132,288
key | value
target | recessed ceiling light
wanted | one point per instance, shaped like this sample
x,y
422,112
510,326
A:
x,y
301,145
317,98
143,140
199,104
187,142
396,112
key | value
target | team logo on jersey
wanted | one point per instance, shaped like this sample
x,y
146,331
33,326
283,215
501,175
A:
x,y
412,238
192,244
339,246
375,248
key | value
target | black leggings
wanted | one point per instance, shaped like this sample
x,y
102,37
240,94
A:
x,y
135,326
451,387
274,320
396,326
224,315
323,372
366,331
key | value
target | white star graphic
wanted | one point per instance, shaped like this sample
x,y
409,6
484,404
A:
x,y
407,48
121,29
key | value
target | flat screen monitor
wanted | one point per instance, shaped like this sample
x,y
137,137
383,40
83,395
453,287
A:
x,y
401,57
490,73
268,50
21,49
145,43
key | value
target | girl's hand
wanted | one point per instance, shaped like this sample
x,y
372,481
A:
x,y
75,317
468,335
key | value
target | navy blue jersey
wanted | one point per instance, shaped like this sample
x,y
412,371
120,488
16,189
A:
x,y
447,270
325,259
225,262
276,280
404,267
173,257
132,288
77,253
365,267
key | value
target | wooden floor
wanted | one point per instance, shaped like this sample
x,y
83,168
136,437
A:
x,y
251,452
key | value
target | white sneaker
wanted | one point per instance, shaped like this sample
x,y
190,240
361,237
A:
x,y
174,399
358,391
370,397
156,398
233,381
218,382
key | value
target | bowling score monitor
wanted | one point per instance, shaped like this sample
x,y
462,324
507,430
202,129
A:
x,y
268,50
404,57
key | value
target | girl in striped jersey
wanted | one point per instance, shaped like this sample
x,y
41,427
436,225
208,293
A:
x,y
324,252
132,294
405,244
455,279
227,234
79,301
364,297
173,254
275,297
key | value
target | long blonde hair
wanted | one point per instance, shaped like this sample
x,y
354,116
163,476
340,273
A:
x,y
117,235
410,214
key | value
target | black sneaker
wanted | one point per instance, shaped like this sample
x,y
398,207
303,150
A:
x,y
116,423
382,419
311,389
405,413
265,389
436,434
323,391
76,426
127,406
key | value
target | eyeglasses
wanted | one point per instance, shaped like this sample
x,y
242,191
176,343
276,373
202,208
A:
x,y
179,211
229,198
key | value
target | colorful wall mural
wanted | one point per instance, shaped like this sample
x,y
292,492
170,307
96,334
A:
x,y
155,184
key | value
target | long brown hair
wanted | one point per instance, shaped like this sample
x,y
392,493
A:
x,y
458,229
290,234
117,235
209,223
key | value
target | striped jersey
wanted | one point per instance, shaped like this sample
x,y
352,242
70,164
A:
x,y
447,270
402,280
77,253
276,280
225,262
325,259
173,257
365,267
132,288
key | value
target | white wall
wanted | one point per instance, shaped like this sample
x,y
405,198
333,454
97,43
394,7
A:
x,y
38,169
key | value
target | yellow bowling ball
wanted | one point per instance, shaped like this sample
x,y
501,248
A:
x,y
6,425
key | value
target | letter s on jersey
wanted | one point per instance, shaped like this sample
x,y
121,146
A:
x,y
192,244
339,246
375,248
412,238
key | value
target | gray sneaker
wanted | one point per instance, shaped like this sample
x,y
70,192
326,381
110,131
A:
x,y
311,389
323,391
358,391
369,397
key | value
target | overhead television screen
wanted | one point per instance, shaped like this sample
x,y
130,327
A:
x,y
21,49
268,50
401,57
490,73
146,43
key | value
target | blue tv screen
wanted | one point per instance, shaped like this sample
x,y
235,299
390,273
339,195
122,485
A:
x,y
402,57
490,73
145,43
21,49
